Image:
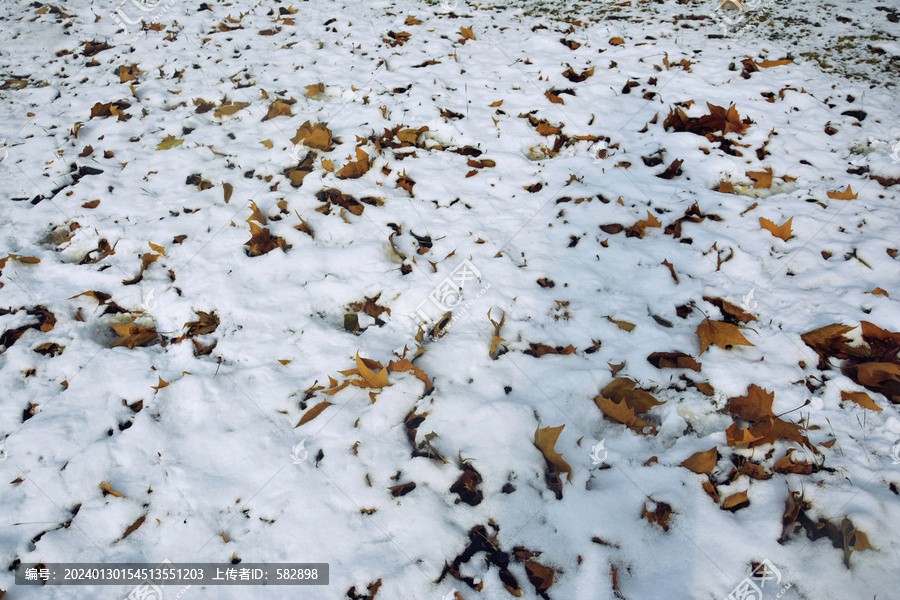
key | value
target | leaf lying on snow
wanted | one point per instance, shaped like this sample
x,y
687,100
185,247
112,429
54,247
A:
x,y
262,241
313,412
782,231
622,413
623,389
356,168
673,360
316,136
545,440
131,335
539,350
731,311
861,398
702,462
723,335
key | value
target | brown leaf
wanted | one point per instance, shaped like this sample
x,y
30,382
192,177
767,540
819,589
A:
x,y
782,231
229,108
786,464
279,108
660,515
539,350
356,169
131,335
673,360
861,398
639,229
467,33
373,380
545,439
133,527
313,412
574,77
402,489
262,241
316,136
540,576
622,413
723,335
622,389
736,502
702,462
731,311
207,323
755,407
229,189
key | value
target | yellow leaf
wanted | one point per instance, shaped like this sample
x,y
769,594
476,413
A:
x,y
782,231
105,487
268,144
774,63
157,248
624,325
545,439
373,380
496,104
169,142
735,500
328,165
467,33
162,383
616,41
879,292
256,215
230,108
845,195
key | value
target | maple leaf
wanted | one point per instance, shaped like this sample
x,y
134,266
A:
x,y
356,169
317,89
169,142
297,173
623,389
545,439
756,406
316,136
131,335
372,379
639,229
622,413
782,231
262,241
722,334
739,437
732,312
762,179
405,364
279,108
702,462
845,195
467,33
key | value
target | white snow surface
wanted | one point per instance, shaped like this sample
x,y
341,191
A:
x,y
211,452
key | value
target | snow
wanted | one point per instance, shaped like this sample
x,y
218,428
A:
x,y
211,452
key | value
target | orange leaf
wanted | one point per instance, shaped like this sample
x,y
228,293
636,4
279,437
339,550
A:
x,y
756,406
373,380
467,33
845,195
763,179
782,231
105,487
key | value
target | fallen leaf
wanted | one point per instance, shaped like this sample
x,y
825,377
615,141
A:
x,y
702,462
762,179
722,334
316,136
313,412
131,335
673,360
623,389
169,142
624,325
105,487
736,501
660,515
755,407
545,439
467,33
374,380
845,195
782,231
861,398
621,413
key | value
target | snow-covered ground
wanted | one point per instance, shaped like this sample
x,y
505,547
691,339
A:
x,y
542,172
